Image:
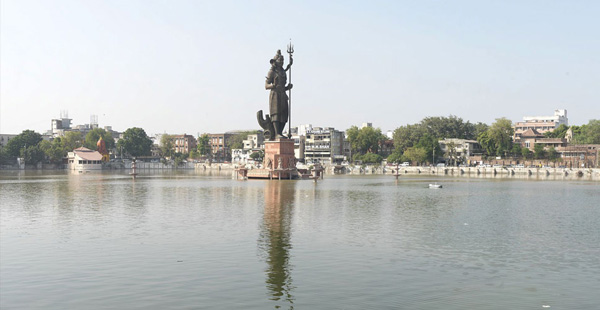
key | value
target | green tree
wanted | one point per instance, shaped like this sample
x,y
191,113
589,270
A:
x,y
32,154
167,146
237,140
135,142
552,154
525,152
539,151
407,136
415,154
448,127
395,157
71,141
53,150
92,137
588,133
371,158
516,150
204,145
497,140
431,146
559,132
23,140
258,155
365,140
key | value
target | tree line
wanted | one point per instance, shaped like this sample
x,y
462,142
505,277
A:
x,y
417,143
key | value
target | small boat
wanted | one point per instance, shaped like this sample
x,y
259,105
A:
x,y
435,185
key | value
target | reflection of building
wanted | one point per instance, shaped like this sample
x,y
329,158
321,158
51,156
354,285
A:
x,y
184,143
541,124
84,159
275,240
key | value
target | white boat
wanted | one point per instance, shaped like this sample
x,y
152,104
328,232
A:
x,y
435,185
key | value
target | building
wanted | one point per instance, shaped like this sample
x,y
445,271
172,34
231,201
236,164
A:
x,y
458,151
325,145
541,124
219,145
4,138
254,142
82,159
184,143
531,137
580,155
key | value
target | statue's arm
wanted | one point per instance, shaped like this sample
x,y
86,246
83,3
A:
x,y
290,64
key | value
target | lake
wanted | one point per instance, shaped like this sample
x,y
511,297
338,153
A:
x,y
185,240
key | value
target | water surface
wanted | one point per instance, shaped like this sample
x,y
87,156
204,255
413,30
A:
x,y
181,240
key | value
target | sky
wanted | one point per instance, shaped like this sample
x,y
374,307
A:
x,y
199,66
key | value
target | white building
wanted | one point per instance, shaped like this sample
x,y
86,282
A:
x,y
541,124
82,159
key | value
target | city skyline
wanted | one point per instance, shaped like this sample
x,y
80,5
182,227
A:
x,y
194,67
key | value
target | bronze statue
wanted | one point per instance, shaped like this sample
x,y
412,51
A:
x,y
274,123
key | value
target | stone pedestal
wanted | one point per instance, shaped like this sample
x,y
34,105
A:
x,y
279,161
279,154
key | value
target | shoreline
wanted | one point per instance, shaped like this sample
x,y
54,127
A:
x,y
589,174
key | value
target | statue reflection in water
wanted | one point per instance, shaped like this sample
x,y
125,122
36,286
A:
x,y
275,243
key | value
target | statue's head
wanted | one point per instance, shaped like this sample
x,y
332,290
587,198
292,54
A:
x,y
277,59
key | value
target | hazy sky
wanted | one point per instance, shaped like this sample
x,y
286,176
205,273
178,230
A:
x,y
199,66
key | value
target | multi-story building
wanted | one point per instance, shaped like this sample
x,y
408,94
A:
x,y
219,145
324,145
254,142
459,150
184,143
531,137
4,138
541,124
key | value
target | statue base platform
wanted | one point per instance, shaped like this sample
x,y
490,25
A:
x,y
279,162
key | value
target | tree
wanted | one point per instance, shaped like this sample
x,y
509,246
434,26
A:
x,y
53,150
135,142
371,158
71,141
365,140
552,154
92,137
167,147
32,154
237,140
539,151
415,154
431,147
258,155
497,140
516,150
559,132
407,136
395,157
588,133
204,145
448,127
23,140
525,152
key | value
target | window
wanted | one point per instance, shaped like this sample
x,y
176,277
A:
x,y
527,144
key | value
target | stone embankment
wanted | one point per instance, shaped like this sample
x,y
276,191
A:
x,y
551,173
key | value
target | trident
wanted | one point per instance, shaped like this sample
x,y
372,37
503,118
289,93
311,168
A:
x,y
290,50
